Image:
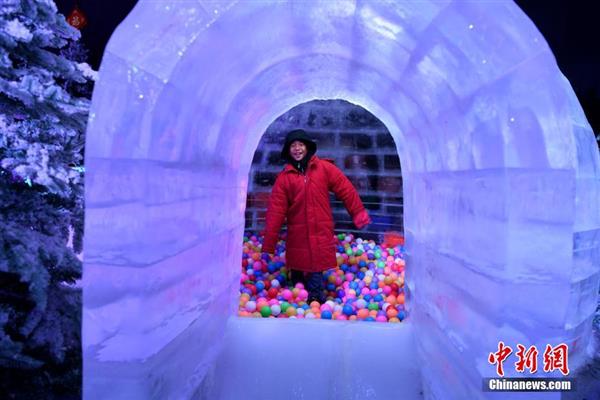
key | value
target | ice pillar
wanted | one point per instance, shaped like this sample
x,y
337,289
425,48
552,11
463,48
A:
x,y
501,177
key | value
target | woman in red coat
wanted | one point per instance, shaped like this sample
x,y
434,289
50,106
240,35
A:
x,y
301,194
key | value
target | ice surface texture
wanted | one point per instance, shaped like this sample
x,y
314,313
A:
x,y
501,179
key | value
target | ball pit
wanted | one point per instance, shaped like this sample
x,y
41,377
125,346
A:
x,y
367,285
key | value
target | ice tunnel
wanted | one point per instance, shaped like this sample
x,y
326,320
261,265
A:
x,y
501,186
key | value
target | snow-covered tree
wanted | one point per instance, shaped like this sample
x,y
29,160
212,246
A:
x,y
43,114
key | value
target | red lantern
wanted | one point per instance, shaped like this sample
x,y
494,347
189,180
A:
x,y
77,18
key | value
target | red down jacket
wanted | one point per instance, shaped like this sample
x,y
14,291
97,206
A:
x,y
304,201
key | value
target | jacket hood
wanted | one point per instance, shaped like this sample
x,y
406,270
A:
x,y
298,134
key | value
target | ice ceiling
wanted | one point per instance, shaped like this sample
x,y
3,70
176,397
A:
x,y
500,167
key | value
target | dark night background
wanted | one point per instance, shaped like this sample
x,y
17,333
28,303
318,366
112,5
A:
x,y
570,28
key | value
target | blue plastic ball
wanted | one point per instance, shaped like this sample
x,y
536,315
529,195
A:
x,y
374,285
348,310
331,286
326,314
401,315
369,319
367,297
361,275
260,286
378,297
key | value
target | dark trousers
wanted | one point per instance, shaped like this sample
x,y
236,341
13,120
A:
x,y
312,281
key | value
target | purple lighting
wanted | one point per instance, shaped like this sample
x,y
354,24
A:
x,y
501,181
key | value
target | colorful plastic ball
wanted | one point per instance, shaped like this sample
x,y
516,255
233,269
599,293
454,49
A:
x,y
250,306
265,311
373,306
401,315
291,311
381,318
401,298
260,285
348,310
303,294
275,283
326,314
275,309
370,319
287,294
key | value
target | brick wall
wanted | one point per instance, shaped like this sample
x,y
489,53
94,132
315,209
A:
x,y
360,145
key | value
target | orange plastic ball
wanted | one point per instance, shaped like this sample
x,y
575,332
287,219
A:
x,y
362,313
391,312
401,298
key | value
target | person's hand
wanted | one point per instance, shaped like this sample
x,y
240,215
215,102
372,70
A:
x,y
362,219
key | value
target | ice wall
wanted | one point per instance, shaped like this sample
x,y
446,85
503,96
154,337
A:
x,y
501,178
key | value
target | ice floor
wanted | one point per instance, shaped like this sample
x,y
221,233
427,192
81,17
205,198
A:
x,y
314,360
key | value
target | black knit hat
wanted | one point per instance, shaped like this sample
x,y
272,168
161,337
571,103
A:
x,y
302,136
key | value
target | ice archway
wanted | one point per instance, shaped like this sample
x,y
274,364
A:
x,y
500,168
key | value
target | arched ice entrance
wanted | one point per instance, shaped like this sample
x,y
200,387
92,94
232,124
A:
x,y
500,170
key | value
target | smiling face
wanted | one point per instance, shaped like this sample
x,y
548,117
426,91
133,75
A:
x,y
297,150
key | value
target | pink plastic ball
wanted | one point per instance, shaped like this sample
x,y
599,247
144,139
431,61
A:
x,y
373,292
303,294
364,291
287,294
387,290
381,318
325,307
257,266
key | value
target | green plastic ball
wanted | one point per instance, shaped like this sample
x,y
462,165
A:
x,y
372,306
265,311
